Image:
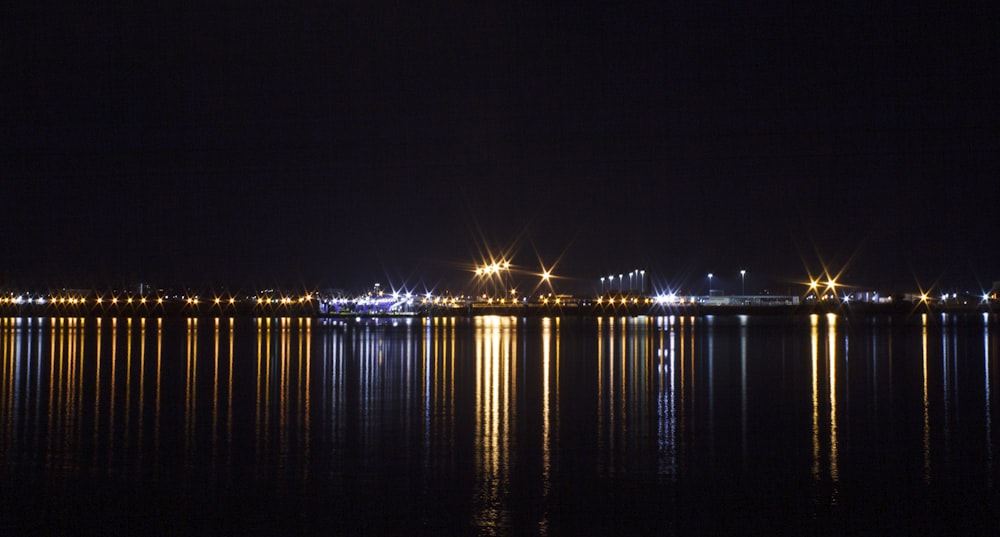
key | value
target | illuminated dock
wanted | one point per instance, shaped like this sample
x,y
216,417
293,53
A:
x,y
402,305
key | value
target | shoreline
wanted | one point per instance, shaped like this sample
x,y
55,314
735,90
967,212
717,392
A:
x,y
531,310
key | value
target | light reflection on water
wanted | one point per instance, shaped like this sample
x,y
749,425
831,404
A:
x,y
488,415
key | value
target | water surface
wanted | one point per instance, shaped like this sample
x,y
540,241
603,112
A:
x,y
500,425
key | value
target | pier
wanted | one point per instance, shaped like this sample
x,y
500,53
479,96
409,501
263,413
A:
x,y
315,305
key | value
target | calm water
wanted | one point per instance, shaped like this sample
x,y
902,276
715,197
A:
x,y
496,425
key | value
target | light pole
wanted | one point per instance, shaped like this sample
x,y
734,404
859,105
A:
x,y
620,283
709,284
602,285
743,281
630,279
642,281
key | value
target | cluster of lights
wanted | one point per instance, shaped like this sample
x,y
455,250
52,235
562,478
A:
x,y
828,288
492,268
627,300
437,300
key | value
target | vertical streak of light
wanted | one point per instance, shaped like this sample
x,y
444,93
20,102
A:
x,y
156,419
430,367
63,384
229,393
672,408
128,382
986,393
11,353
142,385
510,396
39,350
479,431
663,443
7,386
8,399
623,359
81,359
297,371
69,422
494,399
303,373
710,330
52,391
78,375
69,358
406,367
946,331
23,334
743,388
814,353
215,391
612,424
831,320
308,404
12,338
191,411
450,364
927,419
367,354
546,453
283,360
97,389
600,381
327,376
266,427
187,385
7,357
257,436
111,392
558,374
682,412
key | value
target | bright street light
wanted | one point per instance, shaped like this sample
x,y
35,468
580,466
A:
x,y
743,281
709,284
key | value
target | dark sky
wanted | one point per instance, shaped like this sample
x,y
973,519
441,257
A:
x,y
393,142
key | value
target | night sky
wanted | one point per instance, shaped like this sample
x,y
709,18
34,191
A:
x,y
265,146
